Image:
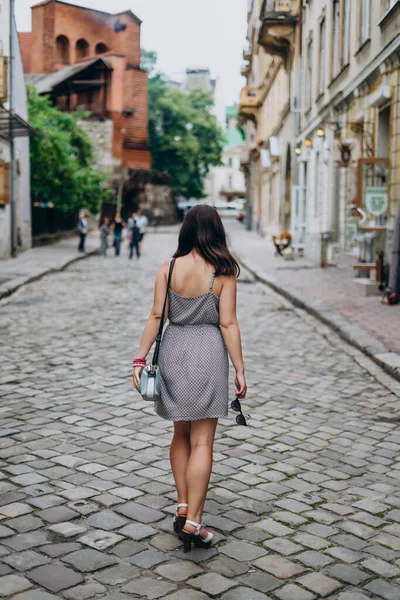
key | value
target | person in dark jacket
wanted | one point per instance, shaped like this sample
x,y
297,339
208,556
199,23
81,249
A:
x,y
118,229
134,240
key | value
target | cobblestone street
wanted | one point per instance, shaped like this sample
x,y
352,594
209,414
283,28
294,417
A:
x,y
305,502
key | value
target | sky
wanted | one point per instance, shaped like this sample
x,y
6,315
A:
x,y
184,33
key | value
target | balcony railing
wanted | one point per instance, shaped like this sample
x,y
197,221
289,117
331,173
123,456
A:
x,y
279,19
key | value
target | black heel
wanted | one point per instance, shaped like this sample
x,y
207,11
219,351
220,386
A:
x,y
187,541
181,524
199,543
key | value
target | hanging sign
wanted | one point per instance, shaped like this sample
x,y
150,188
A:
x,y
376,200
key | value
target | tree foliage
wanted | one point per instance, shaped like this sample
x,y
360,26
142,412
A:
x,y
184,136
61,158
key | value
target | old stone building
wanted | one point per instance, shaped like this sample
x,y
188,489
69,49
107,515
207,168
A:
x,y
226,182
348,184
322,114
91,59
266,111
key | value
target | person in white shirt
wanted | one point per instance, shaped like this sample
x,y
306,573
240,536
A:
x,y
142,222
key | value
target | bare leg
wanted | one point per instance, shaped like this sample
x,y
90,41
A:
x,y
199,468
179,456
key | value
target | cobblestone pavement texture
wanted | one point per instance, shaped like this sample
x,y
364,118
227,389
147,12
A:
x,y
305,502
331,288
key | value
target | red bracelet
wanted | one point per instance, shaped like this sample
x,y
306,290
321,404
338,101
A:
x,y
139,362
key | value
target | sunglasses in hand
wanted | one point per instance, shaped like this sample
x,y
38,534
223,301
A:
x,y
240,418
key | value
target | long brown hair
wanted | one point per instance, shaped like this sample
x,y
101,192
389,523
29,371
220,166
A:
x,y
202,230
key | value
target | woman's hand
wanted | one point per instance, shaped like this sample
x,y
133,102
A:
x,y
137,373
241,386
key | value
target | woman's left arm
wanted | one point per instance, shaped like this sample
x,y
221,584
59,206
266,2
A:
x,y
153,322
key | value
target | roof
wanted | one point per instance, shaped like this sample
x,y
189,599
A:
x,y
231,111
124,12
232,137
46,82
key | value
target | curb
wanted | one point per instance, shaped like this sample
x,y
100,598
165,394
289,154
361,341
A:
x,y
18,282
370,346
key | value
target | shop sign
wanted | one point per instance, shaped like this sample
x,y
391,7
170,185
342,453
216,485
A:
x,y
376,200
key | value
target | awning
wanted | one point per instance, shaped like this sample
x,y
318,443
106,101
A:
x,y
12,125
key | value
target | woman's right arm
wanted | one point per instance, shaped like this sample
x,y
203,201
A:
x,y
230,330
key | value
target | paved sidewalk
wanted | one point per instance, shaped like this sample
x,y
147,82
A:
x,y
37,262
329,294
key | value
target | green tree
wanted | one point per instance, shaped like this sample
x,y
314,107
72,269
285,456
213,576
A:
x,y
184,136
61,159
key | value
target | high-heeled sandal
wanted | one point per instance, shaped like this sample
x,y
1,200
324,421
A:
x,y
195,537
179,520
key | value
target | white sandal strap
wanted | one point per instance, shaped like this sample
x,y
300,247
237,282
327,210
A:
x,y
197,525
182,504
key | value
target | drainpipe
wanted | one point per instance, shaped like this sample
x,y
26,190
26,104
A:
x,y
13,179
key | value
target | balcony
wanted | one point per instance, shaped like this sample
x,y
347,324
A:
x,y
3,79
245,69
244,157
250,101
278,24
247,54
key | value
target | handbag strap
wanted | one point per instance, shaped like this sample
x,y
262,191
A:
x,y
160,330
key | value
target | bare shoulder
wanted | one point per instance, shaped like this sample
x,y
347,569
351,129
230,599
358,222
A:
x,y
228,283
163,271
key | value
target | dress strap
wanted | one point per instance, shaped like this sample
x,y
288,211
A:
x,y
212,282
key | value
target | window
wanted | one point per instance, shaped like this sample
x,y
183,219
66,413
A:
x,y
62,50
321,74
101,48
230,182
346,32
365,17
229,162
309,75
82,49
336,38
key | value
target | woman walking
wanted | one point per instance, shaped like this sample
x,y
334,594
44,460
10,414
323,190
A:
x,y
104,233
202,330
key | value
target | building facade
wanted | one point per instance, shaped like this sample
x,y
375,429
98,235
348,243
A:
x,y
91,59
265,111
321,111
226,182
15,201
348,143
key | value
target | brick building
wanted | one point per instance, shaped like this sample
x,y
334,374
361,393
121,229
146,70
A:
x,y
90,58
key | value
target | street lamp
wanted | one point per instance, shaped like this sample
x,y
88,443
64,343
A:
x,y
189,126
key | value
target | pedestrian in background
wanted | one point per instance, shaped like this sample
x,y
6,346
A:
x,y
200,286
142,222
104,233
134,240
83,229
117,233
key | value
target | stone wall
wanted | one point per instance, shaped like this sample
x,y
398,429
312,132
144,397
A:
x,y
158,204
101,134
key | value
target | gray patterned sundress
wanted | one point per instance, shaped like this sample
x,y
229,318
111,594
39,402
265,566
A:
x,y
193,360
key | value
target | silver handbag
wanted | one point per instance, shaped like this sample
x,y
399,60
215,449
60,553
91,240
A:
x,y
150,381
